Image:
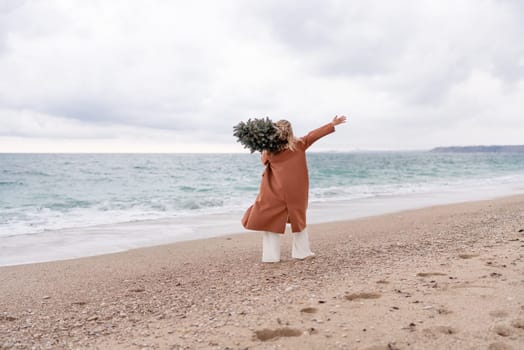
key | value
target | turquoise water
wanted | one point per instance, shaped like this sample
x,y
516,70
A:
x,y
42,192
57,206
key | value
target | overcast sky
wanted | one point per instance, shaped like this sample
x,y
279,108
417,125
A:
x,y
175,76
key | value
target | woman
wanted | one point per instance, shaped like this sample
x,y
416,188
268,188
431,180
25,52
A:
x,y
283,196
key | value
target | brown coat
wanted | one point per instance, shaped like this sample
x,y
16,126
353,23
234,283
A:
x,y
284,189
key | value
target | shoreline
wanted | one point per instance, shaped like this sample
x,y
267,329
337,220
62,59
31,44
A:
x,y
448,276
72,243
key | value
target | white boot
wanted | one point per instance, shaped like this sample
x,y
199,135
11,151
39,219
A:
x,y
270,247
301,248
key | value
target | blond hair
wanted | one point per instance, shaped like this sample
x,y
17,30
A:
x,y
286,133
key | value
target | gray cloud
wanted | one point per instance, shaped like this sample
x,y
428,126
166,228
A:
x,y
420,49
6,7
177,68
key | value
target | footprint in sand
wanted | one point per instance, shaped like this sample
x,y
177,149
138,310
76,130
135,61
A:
x,y
8,318
499,346
503,331
309,310
268,334
467,256
390,346
518,323
365,295
498,313
429,274
444,311
440,330
445,330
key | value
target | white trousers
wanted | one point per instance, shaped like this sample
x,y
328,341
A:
x,y
271,246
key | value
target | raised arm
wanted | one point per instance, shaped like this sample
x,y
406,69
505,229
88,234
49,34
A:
x,y
339,120
324,130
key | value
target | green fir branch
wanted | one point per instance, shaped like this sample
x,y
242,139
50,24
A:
x,y
259,134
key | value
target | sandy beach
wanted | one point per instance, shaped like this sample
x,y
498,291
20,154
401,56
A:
x,y
444,277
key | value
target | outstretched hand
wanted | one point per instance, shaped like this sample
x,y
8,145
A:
x,y
339,120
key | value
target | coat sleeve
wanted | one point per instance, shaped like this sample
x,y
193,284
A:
x,y
316,134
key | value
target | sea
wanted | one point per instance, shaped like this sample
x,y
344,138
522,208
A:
x,y
61,206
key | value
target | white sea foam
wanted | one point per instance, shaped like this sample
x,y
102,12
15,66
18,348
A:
x,y
100,239
96,204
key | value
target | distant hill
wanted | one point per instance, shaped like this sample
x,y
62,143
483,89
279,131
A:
x,y
474,149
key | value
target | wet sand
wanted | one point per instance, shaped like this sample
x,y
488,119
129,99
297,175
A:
x,y
445,277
